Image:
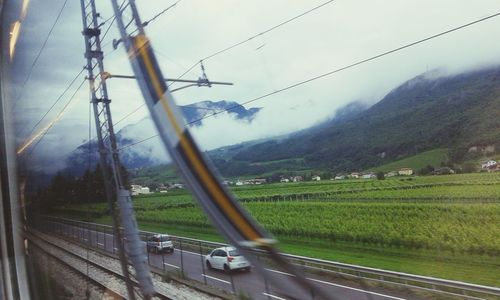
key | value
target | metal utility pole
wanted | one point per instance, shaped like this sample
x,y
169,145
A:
x,y
117,194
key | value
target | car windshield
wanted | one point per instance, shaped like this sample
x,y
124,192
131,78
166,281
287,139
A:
x,y
164,238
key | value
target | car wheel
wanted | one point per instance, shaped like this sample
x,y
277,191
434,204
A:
x,y
172,250
209,265
227,269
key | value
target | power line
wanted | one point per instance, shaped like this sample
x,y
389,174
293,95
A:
x,y
332,72
146,23
55,102
254,36
113,19
268,30
37,57
44,131
144,104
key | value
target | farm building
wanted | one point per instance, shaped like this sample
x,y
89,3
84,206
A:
x,y
138,189
405,171
488,164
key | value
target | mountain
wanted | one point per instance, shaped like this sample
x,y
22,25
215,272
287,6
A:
x,y
193,113
149,154
427,112
457,112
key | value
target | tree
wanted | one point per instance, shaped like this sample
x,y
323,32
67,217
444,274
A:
x,y
426,170
380,175
469,167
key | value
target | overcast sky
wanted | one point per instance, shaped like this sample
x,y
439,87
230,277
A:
x,y
338,34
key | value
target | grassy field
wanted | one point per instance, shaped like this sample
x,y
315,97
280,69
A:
x,y
417,162
444,226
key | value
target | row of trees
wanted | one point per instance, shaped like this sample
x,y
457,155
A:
x,y
65,188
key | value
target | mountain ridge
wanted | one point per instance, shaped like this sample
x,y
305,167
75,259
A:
x,y
422,114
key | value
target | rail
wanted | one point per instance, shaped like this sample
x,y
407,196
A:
x,y
319,266
35,241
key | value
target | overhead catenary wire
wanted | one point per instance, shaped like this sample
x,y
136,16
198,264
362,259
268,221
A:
x,y
113,19
146,23
144,104
337,70
54,104
256,35
43,132
40,51
231,46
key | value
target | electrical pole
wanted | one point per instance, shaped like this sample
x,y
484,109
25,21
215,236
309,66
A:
x,y
118,195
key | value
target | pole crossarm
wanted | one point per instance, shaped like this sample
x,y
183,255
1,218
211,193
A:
x,y
199,82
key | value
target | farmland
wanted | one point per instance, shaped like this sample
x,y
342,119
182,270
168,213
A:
x,y
452,219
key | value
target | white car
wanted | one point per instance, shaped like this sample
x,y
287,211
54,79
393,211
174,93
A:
x,y
159,243
227,259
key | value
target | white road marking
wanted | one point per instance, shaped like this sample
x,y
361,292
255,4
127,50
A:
x,y
171,265
288,274
338,285
272,296
215,278
100,244
279,272
194,253
355,289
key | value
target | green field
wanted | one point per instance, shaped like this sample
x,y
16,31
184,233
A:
x,y
417,162
444,226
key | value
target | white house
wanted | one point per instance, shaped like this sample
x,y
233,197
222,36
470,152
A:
x,y
285,180
339,177
138,189
391,174
354,175
316,178
405,171
488,164
368,176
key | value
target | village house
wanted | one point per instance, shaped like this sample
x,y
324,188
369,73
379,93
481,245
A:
x,y
443,171
355,175
258,181
340,177
391,174
285,180
138,189
368,176
489,164
405,171
316,178
162,188
297,178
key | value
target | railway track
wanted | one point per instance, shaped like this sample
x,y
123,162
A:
x,y
103,277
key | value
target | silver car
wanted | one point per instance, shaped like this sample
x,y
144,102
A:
x,y
159,243
227,259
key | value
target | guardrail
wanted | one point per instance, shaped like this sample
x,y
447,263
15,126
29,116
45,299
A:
x,y
319,266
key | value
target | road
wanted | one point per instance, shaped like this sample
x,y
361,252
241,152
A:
x,y
250,283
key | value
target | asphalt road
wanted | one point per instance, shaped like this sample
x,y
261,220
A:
x,y
251,283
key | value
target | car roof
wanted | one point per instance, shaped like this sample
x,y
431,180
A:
x,y
160,235
228,248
